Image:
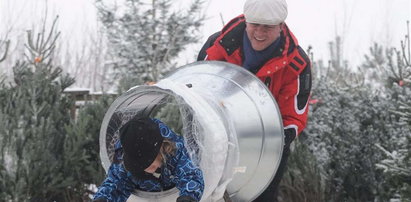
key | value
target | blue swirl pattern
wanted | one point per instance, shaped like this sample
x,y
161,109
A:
x,y
178,171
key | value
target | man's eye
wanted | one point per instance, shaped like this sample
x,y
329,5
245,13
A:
x,y
269,27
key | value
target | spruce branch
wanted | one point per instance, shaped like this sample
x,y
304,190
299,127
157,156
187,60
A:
x,y
6,49
44,45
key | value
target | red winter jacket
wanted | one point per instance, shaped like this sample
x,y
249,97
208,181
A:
x,y
287,74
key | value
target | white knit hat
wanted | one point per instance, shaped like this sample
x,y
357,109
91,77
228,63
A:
x,y
267,12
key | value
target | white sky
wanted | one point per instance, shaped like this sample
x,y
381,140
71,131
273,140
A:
x,y
314,22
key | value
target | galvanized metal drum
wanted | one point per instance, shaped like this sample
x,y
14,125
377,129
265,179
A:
x,y
226,111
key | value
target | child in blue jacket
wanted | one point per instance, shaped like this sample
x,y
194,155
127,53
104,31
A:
x,y
150,157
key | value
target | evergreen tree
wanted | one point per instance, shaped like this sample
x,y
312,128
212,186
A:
x,y
303,179
87,127
35,113
3,118
146,37
397,162
347,121
42,153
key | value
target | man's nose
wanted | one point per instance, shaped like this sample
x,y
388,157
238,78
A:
x,y
260,28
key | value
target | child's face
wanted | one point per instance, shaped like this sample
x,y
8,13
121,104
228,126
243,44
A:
x,y
156,164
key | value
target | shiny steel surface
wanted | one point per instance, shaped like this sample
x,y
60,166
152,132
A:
x,y
255,117
244,105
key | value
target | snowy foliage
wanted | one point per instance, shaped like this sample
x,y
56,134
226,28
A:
x,y
396,77
146,37
354,121
358,132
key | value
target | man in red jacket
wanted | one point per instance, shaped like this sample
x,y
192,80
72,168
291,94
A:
x,y
260,41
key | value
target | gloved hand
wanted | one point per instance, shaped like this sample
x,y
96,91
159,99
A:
x,y
186,199
100,200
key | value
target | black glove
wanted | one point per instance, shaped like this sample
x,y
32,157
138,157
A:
x,y
186,199
100,200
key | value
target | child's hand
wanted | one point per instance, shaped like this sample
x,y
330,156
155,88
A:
x,y
186,199
100,200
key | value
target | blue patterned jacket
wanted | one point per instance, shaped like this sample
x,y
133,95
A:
x,y
178,171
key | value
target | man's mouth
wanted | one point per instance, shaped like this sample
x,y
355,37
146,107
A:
x,y
259,39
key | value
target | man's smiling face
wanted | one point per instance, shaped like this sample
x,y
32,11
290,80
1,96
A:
x,y
261,36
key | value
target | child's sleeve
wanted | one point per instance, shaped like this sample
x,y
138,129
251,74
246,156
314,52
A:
x,y
117,186
191,182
